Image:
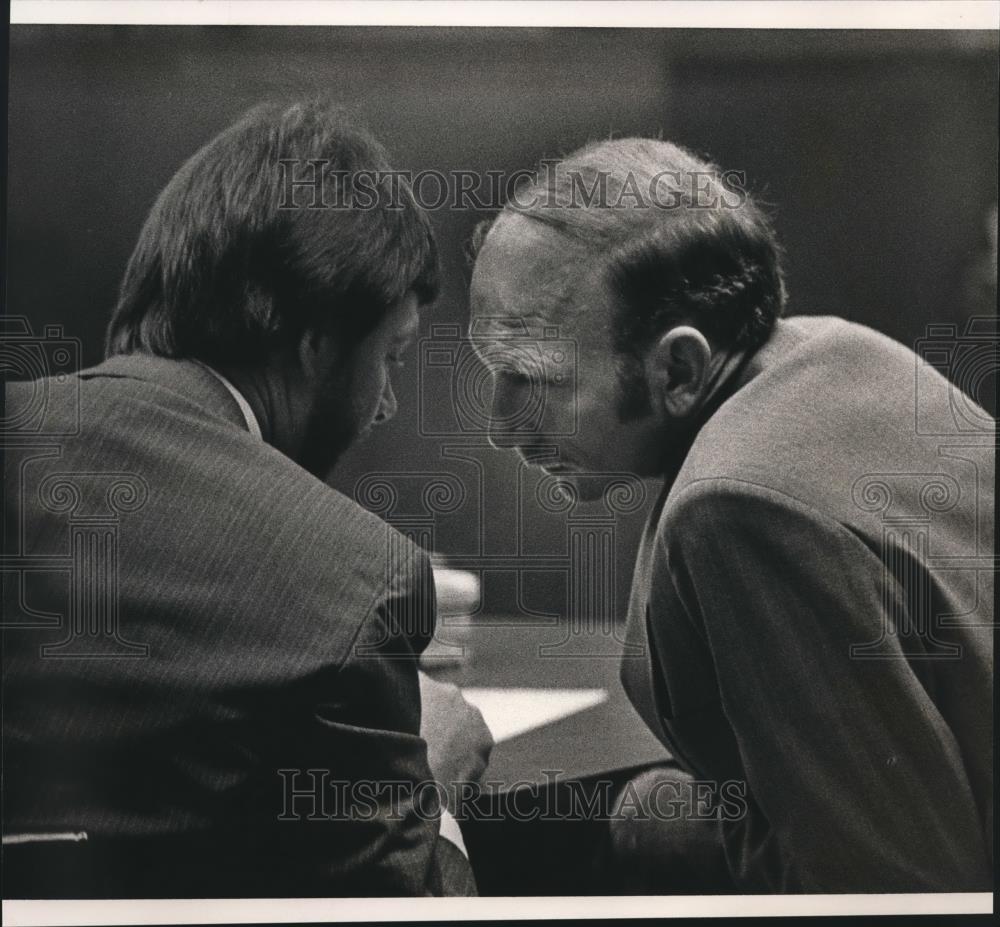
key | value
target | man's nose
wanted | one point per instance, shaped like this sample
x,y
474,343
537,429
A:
x,y
509,425
387,406
504,438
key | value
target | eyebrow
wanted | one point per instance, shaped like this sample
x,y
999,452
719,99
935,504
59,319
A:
x,y
487,326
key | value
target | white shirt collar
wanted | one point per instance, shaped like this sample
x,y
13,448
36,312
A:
x,y
253,426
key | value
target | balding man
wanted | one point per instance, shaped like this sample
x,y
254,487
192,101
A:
x,y
837,669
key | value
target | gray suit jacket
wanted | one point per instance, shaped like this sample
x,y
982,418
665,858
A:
x,y
231,696
815,598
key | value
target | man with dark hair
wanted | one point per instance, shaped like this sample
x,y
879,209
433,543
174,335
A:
x,y
813,592
237,710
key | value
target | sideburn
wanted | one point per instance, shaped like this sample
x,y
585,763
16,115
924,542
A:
x,y
333,426
634,401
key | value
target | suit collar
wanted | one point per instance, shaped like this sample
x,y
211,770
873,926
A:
x,y
784,337
186,378
253,426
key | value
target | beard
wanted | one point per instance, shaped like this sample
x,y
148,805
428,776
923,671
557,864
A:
x,y
333,425
585,487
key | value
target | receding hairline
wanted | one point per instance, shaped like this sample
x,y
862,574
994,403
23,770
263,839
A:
x,y
553,256
561,290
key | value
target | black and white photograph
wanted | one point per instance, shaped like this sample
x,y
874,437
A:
x,y
528,460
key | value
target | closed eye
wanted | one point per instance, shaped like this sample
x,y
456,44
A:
x,y
534,378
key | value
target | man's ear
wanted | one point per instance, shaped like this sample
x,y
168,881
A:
x,y
677,370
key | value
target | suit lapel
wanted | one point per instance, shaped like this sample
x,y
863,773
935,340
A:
x,y
637,672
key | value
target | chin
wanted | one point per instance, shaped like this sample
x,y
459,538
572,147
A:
x,y
589,487
585,487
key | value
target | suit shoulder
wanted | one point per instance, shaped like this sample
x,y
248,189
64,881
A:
x,y
830,401
220,489
314,521
722,504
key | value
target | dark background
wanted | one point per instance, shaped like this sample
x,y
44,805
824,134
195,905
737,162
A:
x,y
876,150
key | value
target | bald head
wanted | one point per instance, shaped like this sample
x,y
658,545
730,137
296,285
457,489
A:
x,y
665,235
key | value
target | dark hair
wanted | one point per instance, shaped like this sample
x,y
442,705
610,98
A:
x,y
228,265
677,242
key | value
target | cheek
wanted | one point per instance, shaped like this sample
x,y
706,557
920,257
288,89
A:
x,y
590,397
370,396
509,399
358,394
564,410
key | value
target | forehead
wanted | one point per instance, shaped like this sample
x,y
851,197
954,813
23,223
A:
x,y
524,268
529,278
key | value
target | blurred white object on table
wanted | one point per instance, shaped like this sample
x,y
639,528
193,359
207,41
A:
x,y
511,712
457,593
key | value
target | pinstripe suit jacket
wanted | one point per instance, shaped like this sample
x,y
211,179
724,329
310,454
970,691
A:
x,y
814,595
238,624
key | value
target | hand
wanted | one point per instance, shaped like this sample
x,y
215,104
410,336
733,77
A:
x,y
662,839
458,740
